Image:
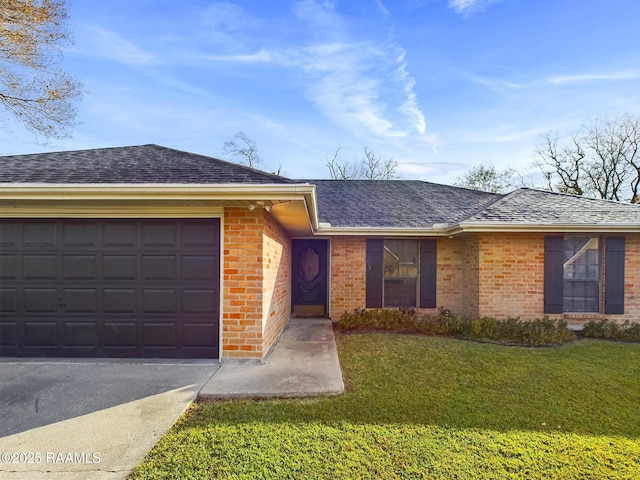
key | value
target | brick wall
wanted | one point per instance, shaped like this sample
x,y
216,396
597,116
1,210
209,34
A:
x,y
276,278
348,274
256,272
632,279
484,274
511,275
470,277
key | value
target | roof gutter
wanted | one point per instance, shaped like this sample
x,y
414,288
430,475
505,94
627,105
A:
x,y
546,228
443,230
302,192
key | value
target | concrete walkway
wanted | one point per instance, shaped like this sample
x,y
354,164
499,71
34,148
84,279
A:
x,y
304,362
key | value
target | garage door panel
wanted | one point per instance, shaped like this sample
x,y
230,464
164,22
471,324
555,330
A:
x,y
80,267
199,234
9,267
9,234
159,267
81,234
39,267
80,300
120,334
159,234
41,334
38,234
81,334
200,267
8,300
159,334
8,333
115,288
120,300
41,300
199,334
119,234
155,300
199,301
119,267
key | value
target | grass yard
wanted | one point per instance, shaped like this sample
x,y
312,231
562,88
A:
x,y
428,407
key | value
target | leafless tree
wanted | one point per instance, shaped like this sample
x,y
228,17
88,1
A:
x,y
369,168
562,166
243,149
601,160
41,96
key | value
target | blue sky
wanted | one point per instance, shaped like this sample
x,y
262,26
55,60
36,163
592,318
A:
x,y
439,85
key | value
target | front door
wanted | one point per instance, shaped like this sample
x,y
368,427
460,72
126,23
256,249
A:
x,y
309,278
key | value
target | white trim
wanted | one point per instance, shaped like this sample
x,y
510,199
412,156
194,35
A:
x,y
478,228
221,287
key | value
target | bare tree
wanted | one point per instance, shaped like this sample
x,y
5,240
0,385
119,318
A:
x,y
38,94
562,167
601,160
244,149
486,178
369,168
614,145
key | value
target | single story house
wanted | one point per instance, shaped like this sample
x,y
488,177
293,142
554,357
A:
x,y
147,251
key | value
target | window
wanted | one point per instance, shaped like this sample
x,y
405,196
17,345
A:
x,y
401,273
581,276
574,268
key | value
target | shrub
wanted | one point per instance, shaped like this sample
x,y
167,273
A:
x,y
378,319
511,330
445,323
613,330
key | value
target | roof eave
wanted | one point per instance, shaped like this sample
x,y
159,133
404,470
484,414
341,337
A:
x,y
544,227
380,232
453,230
78,192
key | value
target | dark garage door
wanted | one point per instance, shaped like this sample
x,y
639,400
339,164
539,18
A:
x,y
109,288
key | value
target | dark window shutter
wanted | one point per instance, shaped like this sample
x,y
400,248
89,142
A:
x,y
428,261
553,274
375,268
614,276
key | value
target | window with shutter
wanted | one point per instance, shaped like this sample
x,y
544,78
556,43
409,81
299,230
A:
x,y
401,273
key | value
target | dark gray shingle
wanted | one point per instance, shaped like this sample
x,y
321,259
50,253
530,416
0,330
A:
x,y
396,203
529,206
137,164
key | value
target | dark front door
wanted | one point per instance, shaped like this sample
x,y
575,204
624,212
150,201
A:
x,y
109,288
309,289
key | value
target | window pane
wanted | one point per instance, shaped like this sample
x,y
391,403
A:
x,y
400,292
401,259
581,274
400,273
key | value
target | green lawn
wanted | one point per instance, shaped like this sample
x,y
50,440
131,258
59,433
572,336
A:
x,y
428,407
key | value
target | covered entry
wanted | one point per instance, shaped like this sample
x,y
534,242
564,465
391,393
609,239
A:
x,y
110,288
309,277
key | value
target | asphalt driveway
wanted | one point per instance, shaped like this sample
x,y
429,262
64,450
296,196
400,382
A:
x,y
89,419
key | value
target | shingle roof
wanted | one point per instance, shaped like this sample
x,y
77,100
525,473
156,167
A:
x,y
393,204
137,164
396,203
530,206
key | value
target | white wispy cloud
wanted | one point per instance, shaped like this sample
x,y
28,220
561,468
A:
x,y
261,56
594,77
469,6
359,83
114,47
